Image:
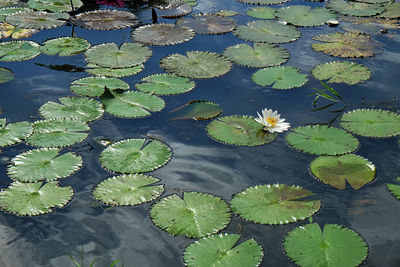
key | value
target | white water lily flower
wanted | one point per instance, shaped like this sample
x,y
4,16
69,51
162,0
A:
x,y
272,121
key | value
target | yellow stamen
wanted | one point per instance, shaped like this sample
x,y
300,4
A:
x,y
272,121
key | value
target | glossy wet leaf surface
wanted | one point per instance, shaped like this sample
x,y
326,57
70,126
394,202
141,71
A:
x,y
95,86
105,19
197,110
305,16
15,132
6,75
208,23
341,72
65,46
18,50
165,84
351,8
38,20
54,5
162,34
280,77
8,30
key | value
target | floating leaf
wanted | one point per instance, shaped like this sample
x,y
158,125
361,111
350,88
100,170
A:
x,y
65,46
57,133
341,72
135,156
8,30
174,9
162,34
131,189
79,108
220,250
13,133
371,122
261,12
165,84
394,189
9,3
267,31
39,20
239,130
305,16
29,199
18,50
6,75
195,215
111,56
374,1
280,77
208,23
346,44
259,56
197,64
351,8
274,204
263,2
4,12
308,245
392,11
43,164
197,110
54,5
190,2
226,13
94,86
112,72
370,25
105,19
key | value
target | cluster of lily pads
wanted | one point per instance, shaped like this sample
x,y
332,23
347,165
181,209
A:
x,y
200,215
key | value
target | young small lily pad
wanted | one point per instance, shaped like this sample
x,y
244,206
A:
x,y
274,204
394,189
113,72
13,133
54,5
18,50
351,8
8,30
39,20
65,46
194,215
280,77
165,84
94,86
341,72
305,16
261,12
105,19
6,75
208,23
162,34
197,110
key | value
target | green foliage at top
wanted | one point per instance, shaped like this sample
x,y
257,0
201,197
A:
x,y
13,133
351,8
261,12
394,189
6,75
305,16
39,20
341,72
197,110
208,23
335,245
280,77
392,11
54,5
18,50
65,46
165,84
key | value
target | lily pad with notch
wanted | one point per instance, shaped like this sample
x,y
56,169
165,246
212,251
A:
x,y
261,12
105,19
95,86
174,9
341,72
55,5
394,189
113,72
208,23
12,133
65,46
197,110
18,50
351,8
38,20
6,75
165,84
162,34
8,30
305,16
280,77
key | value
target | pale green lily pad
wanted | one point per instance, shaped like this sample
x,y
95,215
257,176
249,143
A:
x,y
18,50
39,20
112,72
197,64
261,12
8,30
197,110
207,23
223,250
128,190
305,16
4,12
195,215
308,245
161,34
263,2
79,108
29,199
394,189
65,46
111,56
371,122
339,170
261,55
57,133
392,11
13,133
267,31
43,164
54,5
239,130
135,156
9,3
322,140
226,13
190,2
165,84
351,8
6,75
105,19
341,72
274,204
280,77
94,86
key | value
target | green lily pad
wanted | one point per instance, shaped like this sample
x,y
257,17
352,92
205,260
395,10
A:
x,y
197,110
54,5
135,156
263,2
65,46
226,13
341,72
165,84
173,9
6,75
131,189
29,199
392,11
79,108
13,133
197,64
261,12
280,77
94,86
346,44
39,20
208,23
4,12
322,140
190,2
162,34
239,130
368,25
9,3
339,170
351,8
220,250
43,164
112,72
267,31
105,19
305,16
57,133
274,204
394,189
374,1
195,215
8,30
308,245
261,55
371,122
18,50
111,56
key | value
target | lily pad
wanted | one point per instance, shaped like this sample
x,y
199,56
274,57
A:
x,y
65,46
8,30
131,189
280,77
392,11
54,5
39,20
79,108
261,55
261,12
113,72
18,50
239,130
9,3
135,156
13,133
374,1
267,31
208,23
94,86
165,84
105,19
43,164
368,25
4,12
174,9
190,2
197,110
220,250
263,2
339,170
371,122
346,44
305,16
111,56
394,189
351,8
162,34
197,64
308,245
322,140
274,204
29,199
226,13
6,75
195,215
341,72
57,133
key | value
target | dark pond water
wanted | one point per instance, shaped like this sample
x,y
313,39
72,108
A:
x,y
198,162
